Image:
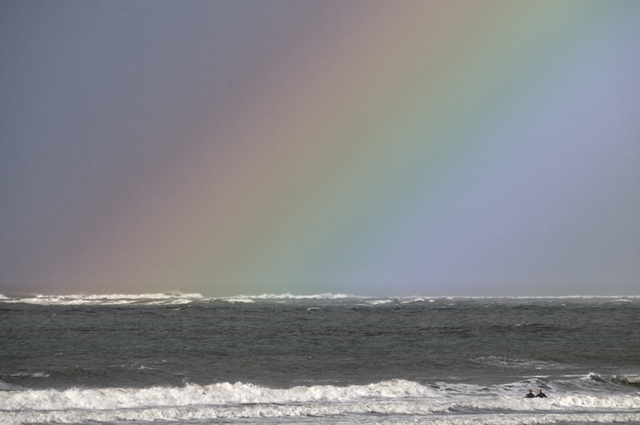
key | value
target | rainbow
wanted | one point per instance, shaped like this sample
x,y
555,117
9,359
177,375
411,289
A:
x,y
411,147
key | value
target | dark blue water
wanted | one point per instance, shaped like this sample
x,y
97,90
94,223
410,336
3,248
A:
x,y
345,358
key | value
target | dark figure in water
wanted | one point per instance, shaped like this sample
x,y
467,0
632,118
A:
x,y
529,395
541,394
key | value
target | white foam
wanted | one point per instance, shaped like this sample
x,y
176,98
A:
x,y
180,298
107,299
360,412
225,400
631,379
32,375
216,394
239,300
431,299
326,296
379,302
508,362
416,300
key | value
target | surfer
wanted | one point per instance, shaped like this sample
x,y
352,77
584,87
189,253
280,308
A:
x,y
541,394
529,395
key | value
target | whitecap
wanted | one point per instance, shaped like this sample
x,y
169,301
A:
x,y
288,296
107,299
508,362
239,300
415,402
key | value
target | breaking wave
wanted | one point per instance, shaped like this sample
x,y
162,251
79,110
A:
x,y
110,299
177,297
327,296
630,380
437,402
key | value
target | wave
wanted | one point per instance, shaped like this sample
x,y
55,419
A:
x,y
106,299
177,297
159,298
630,380
633,381
9,387
419,298
234,401
507,362
367,414
213,395
327,296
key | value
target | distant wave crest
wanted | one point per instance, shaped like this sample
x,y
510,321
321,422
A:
x,y
507,362
327,296
106,299
176,297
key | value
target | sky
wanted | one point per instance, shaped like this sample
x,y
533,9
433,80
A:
x,y
366,147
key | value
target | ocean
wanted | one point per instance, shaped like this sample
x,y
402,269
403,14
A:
x,y
326,359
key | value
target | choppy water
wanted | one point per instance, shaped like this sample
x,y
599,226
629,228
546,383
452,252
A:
x,y
185,359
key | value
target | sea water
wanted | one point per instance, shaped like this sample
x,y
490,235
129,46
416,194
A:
x,y
330,359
